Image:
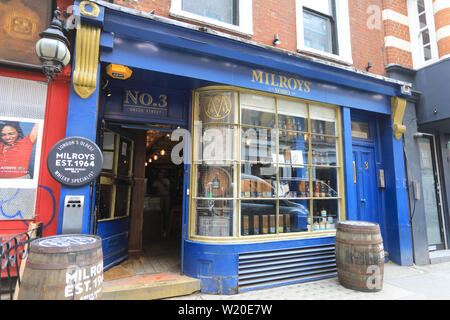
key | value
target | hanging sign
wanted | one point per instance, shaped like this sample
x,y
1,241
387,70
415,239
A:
x,y
75,161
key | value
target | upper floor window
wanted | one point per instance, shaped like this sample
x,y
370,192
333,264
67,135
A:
x,y
319,26
422,30
323,28
231,15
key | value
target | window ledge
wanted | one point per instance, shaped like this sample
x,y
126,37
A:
x,y
244,31
326,56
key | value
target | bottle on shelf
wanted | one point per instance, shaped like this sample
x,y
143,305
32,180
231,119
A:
x,y
330,190
309,223
301,188
316,189
323,213
316,226
209,190
322,224
306,188
323,191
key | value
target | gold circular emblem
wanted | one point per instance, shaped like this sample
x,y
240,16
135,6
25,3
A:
x,y
94,11
219,106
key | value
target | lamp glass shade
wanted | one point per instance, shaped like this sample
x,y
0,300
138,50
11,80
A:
x,y
53,50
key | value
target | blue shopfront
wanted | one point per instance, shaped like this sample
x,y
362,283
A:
x,y
272,149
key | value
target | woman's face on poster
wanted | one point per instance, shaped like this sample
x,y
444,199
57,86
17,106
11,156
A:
x,y
9,135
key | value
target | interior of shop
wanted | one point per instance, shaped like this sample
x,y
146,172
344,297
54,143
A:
x,y
162,201
161,234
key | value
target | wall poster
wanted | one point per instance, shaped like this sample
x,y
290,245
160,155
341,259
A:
x,y
22,111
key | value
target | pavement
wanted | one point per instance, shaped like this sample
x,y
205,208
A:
x,y
430,282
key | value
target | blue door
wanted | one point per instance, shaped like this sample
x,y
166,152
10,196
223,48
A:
x,y
365,178
114,197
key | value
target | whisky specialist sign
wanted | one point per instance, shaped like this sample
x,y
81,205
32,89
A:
x,y
75,161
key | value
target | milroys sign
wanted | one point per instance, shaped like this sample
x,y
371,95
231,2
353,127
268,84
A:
x,y
75,161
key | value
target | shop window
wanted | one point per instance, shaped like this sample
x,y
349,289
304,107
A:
x,y
232,15
264,166
423,34
318,25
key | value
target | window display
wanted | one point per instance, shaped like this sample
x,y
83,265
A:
x,y
276,167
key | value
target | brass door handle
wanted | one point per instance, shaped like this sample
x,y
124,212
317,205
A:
x,y
354,172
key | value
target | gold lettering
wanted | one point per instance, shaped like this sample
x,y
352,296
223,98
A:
x,y
300,83
308,89
149,99
283,81
257,76
273,80
290,81
130,95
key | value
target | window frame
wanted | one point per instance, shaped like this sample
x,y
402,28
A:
x,y
340,31
416,34
236,218
244,17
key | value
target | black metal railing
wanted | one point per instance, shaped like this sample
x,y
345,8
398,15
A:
x,y
12,251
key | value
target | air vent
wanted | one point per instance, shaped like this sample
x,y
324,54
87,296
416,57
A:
x,y
274,268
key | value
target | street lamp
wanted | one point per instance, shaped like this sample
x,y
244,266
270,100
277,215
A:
x,y
53,47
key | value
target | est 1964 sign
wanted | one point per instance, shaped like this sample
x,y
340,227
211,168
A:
x,y
75,161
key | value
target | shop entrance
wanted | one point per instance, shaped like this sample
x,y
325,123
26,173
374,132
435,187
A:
x,y
139,197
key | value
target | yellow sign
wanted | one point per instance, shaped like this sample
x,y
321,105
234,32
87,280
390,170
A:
x,y
219,106
118,71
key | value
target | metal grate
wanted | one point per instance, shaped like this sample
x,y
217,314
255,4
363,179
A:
x,y
273,268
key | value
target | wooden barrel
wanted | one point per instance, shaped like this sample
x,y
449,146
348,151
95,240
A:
x,y
63,267
360,255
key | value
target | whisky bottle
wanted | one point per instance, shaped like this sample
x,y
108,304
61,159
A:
x,y
316,189
330,192
323,191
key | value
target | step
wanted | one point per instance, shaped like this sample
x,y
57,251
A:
x,y
439,256
150,287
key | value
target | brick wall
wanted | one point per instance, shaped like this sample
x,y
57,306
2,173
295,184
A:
x,y
442,24
397,40
368,28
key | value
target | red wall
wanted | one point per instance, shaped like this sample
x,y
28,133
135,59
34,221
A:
x,y
47,199
46,208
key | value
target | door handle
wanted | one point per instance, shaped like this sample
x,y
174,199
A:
x,y
363,200
354,172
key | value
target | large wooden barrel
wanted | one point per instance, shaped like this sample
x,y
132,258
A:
x,y
360,255
63,267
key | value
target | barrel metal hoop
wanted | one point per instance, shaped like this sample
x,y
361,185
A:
x,y
362,243
357,230
61,266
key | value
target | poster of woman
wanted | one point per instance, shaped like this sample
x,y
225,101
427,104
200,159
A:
x,y
18,149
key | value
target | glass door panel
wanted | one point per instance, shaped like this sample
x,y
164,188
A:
x,y
430,195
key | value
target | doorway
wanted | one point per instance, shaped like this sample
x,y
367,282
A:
x,y
435,227
365,168
161,231
140,197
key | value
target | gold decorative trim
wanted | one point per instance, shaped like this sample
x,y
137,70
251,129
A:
x,y
95,9
86,60
398,107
